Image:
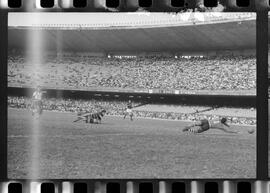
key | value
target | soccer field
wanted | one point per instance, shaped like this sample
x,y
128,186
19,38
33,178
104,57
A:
x,y
55,147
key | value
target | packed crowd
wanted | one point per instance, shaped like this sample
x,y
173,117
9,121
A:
x,y
211,73
115,108
70,105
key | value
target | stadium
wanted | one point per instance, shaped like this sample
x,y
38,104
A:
x,y
175,69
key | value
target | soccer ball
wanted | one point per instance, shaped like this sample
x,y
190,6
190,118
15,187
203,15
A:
x,y
251,130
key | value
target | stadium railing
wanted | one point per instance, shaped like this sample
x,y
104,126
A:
x,y
149,91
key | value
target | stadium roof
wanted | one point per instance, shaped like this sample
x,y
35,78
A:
x,y
134,33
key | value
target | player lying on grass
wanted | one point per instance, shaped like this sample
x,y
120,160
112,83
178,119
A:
x,y
204,125
90,117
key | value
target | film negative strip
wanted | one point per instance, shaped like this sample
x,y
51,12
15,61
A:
x,y
134,96
130,5
128,186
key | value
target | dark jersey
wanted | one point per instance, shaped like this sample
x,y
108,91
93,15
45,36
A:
x,y
129,105
205,124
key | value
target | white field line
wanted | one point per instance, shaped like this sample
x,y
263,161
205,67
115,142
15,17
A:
x,y
188,121
158,119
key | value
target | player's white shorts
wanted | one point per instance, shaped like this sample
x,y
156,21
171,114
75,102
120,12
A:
x,y
129,110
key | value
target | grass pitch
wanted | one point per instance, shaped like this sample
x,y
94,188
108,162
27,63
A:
x,y
55,147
